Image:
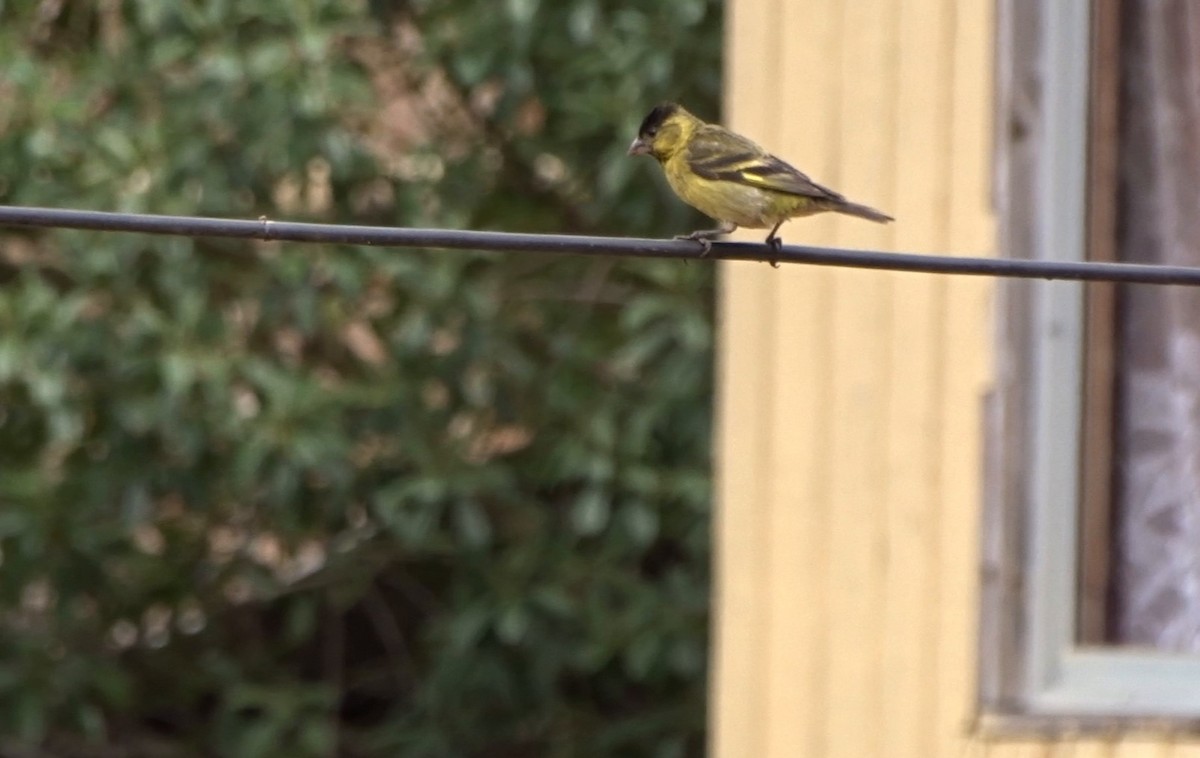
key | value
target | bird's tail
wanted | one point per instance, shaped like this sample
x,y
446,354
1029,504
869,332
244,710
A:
x,y
862,211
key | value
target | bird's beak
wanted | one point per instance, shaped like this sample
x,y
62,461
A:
x,y
638,147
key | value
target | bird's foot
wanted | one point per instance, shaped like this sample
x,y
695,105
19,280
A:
x,y
702,238
776,245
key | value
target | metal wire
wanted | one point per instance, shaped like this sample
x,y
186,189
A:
x,y
286,231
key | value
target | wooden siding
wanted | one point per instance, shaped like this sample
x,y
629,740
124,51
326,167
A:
x,y
850,403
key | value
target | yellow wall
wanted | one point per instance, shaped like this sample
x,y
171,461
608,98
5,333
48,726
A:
x,y
850,402
849,445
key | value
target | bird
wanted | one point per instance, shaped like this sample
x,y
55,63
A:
x,y
731,179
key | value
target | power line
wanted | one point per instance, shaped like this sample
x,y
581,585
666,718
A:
x,y
287,231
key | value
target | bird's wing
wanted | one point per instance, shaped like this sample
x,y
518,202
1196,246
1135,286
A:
x,y
718,154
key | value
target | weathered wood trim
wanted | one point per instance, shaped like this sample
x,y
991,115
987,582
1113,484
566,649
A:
x,y
1096,481
1036,675
1018,115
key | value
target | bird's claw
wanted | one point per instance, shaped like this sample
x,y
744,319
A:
x,y
776,246
705,242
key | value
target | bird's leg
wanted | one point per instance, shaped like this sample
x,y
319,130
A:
x,y
775,243
705,236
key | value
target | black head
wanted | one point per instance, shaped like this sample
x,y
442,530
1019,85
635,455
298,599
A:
x,y
655,119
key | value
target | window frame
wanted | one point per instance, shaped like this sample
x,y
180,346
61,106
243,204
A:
x,y
1034,672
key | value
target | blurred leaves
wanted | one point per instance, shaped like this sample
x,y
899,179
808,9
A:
x,y
305,500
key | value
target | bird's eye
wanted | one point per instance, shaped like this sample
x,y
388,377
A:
x,y
652,131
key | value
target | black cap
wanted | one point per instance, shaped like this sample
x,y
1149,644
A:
x,y
657,116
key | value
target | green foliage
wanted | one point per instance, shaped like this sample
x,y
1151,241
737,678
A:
x,y
267,500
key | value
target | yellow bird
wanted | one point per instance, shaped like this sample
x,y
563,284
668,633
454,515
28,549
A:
x,y
728,177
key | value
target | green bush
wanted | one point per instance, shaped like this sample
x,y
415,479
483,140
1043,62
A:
x,y
288,500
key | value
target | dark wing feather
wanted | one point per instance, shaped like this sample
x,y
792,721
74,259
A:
x,y
718,154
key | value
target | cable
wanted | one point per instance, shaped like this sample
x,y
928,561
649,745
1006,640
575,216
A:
x,y
287,231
